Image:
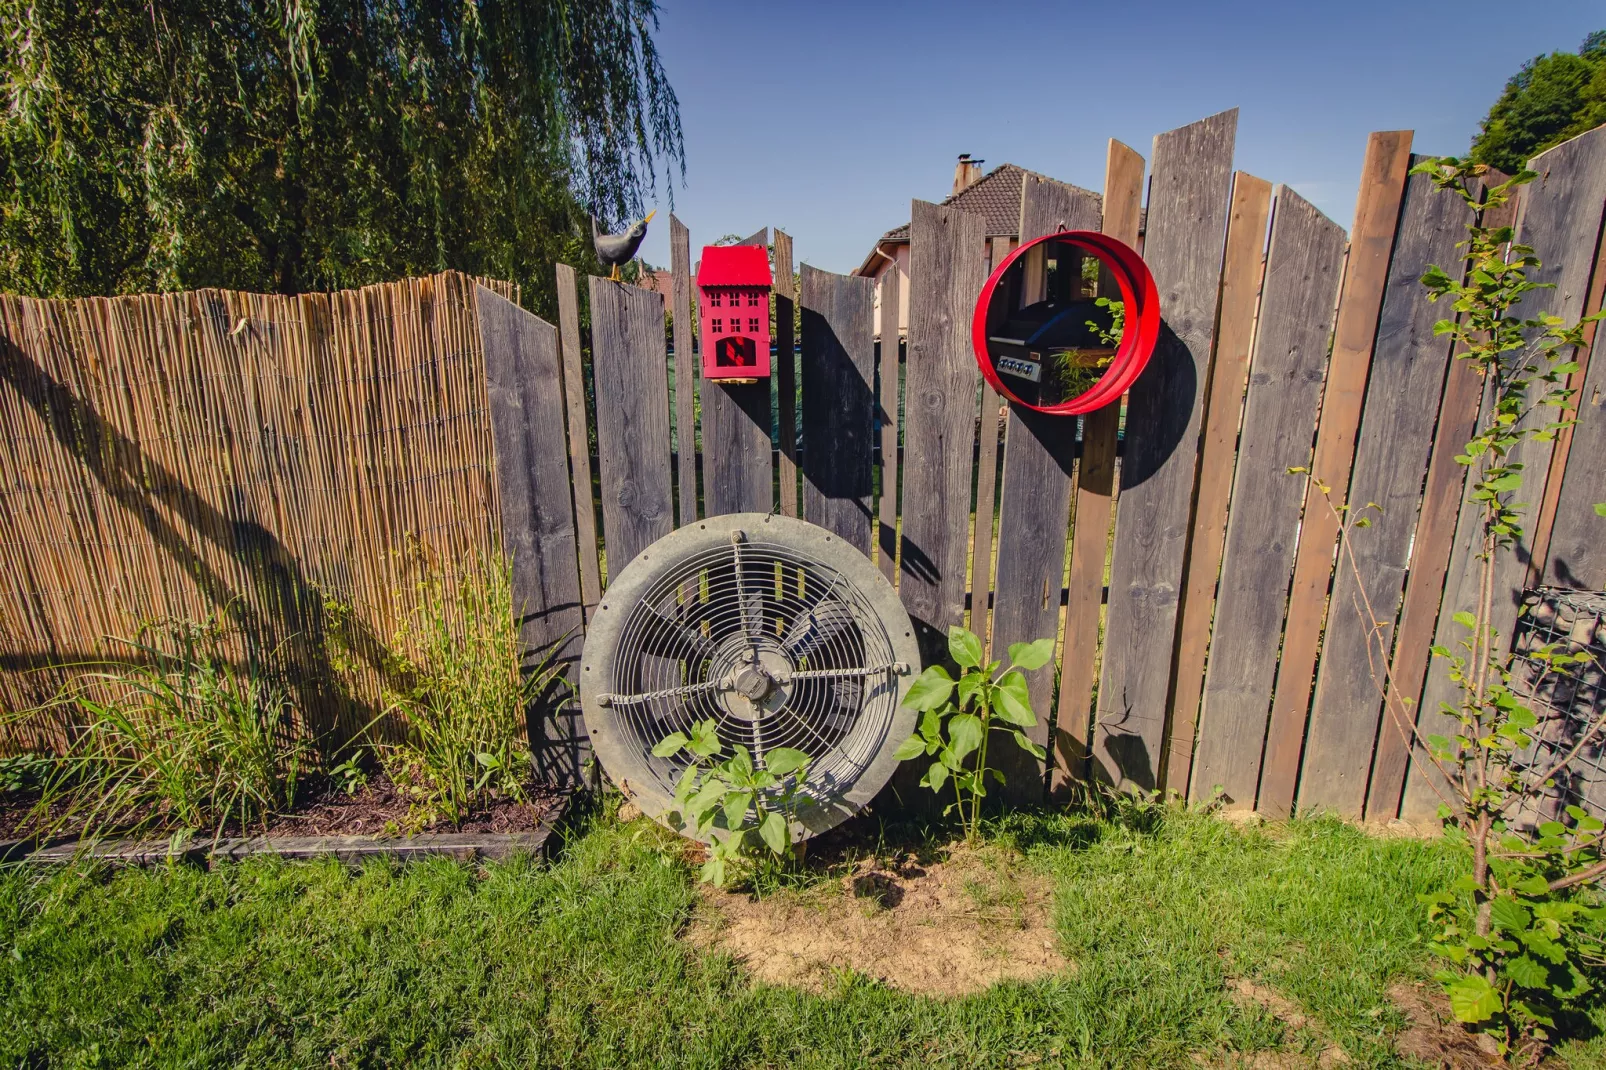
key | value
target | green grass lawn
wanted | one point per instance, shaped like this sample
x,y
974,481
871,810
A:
x,y
577,963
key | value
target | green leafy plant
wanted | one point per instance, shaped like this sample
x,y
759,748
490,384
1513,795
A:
x,y
465,695
958,718
182,738
736,796
349,776
1515,929
23,772
1110,334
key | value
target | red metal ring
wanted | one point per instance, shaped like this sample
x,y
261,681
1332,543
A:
x,y
1137,340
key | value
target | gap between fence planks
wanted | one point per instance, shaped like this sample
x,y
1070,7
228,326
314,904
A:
x,y
1377,211
1304,263
1430,556
785,374
1409,365
1560,218
630,369
1189,192
1242,268
887,507
524,384
687,374
945,278
1095,485
838,402
574,393
1035,504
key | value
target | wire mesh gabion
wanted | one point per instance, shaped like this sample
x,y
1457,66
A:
x,y
1570,701
772,644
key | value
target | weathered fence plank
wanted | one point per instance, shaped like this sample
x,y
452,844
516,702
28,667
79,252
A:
x,y
574,396
1561,219
785,369
524,377
1377,210
1430,556
1187,224
1303,266
887,508
1392,452
687,373
1095,485
945,278
1241,271
838,402
630,370
1035,503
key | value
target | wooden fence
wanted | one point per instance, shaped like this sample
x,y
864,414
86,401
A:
x,y
1206,637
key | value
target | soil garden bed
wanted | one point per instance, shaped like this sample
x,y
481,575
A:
x,y
373,821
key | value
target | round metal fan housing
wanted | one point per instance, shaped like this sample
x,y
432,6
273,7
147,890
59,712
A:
x,y
777,630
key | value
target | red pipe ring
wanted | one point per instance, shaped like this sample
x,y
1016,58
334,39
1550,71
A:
x,y
1141,329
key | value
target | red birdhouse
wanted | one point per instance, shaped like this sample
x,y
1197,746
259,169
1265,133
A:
x,y
733,305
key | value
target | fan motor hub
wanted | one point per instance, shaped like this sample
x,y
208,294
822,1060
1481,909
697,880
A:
x,y
752,679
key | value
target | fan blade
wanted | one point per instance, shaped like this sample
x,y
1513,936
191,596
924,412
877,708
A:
x,y
816,626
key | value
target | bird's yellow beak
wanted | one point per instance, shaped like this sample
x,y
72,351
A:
x,y
650,215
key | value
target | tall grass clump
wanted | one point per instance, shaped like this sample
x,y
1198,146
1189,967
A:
x,y
463,696
177,737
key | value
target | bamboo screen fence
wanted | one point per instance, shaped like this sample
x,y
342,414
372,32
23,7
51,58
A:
x,y
169,455
286,461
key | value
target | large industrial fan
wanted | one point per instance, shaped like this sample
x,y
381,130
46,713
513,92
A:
x,y
780,633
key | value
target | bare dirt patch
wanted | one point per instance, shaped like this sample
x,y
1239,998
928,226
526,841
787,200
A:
x,y
1433,1036
948,927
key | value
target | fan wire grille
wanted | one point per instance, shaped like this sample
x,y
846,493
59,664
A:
x,y
757,602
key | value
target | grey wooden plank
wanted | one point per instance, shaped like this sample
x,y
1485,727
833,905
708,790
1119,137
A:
x,y
1303,266
887,506
784,371
524,385
838,402
1560,218
945,278
1409,364
1035,506
630,370
683,315
574,397
1189,189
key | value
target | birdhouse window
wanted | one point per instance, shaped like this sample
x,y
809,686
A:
x,y
752,300
752,325
714,300
719,326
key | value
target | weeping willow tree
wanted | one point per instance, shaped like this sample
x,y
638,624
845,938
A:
x,y
293,145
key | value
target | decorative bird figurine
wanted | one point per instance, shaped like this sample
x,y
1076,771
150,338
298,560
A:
x,y
614,250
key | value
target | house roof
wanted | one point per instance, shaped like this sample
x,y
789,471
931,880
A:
x,y
995,197
734,265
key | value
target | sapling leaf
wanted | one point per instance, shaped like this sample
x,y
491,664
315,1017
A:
x,y
936,776
705,739
670,745
1028,746
969,685
784,760
913,747
1033,655
1527,973
741,762
1473,999
930,689
931,728
774,832
1013,700
964,647
736,804
964,734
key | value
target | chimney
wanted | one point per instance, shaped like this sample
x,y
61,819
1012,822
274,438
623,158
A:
x,y
967,172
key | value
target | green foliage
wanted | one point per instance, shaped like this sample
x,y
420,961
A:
x,y
24,772
1551,99
1515,927
959,717
320,143
736,796
465,696
179,739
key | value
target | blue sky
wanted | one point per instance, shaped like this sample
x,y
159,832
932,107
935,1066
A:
x,y
826,118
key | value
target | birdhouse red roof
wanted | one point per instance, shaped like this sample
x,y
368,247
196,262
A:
x,y
734,265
